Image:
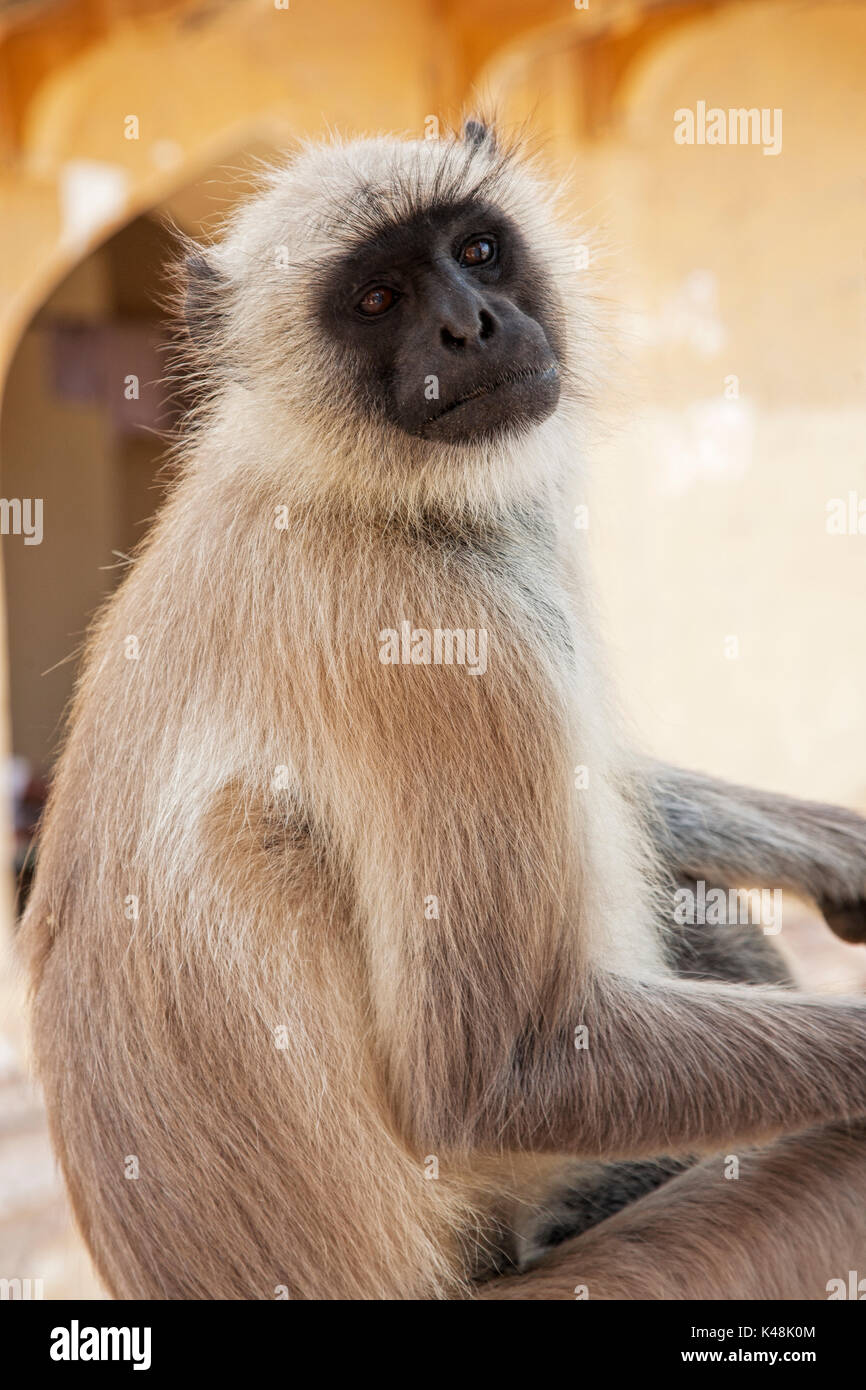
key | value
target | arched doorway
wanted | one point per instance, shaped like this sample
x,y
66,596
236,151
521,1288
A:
x,y
88,413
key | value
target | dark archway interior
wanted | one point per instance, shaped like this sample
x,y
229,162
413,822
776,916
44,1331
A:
x,y
83,435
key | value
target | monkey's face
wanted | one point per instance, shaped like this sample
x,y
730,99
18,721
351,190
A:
x,y
396,323
447,325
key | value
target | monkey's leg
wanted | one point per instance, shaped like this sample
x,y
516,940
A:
x,y
706,828
793,1220
738,954
734,954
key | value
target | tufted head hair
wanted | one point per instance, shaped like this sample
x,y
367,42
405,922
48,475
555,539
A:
x,y
282,376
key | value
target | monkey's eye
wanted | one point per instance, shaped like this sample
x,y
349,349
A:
x,y
481,250
378,300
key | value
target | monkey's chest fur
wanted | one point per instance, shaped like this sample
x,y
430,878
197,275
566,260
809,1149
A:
x,y
286,808
514,830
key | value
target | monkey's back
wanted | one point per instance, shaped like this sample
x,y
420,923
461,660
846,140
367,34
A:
x,y
211,1051
197,1025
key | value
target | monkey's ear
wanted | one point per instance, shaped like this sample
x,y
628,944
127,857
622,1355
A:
x,y
203,301
478,133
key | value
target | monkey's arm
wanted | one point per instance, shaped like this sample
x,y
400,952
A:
x,y
678,1067
447,810
733,835
475,995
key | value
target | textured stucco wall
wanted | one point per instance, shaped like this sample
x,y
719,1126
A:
x,y
709,513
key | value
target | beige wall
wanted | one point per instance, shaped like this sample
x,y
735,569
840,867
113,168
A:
x,y
709,514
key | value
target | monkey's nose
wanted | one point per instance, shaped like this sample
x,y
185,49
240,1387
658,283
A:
x,y
479,332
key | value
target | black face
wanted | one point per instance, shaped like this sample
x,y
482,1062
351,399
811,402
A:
x,y
448,325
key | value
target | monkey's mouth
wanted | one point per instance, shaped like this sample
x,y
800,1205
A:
x,y
521,396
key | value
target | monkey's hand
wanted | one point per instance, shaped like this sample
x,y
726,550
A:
x,y
728,834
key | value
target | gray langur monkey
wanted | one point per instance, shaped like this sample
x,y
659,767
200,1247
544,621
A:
x,y
340,984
